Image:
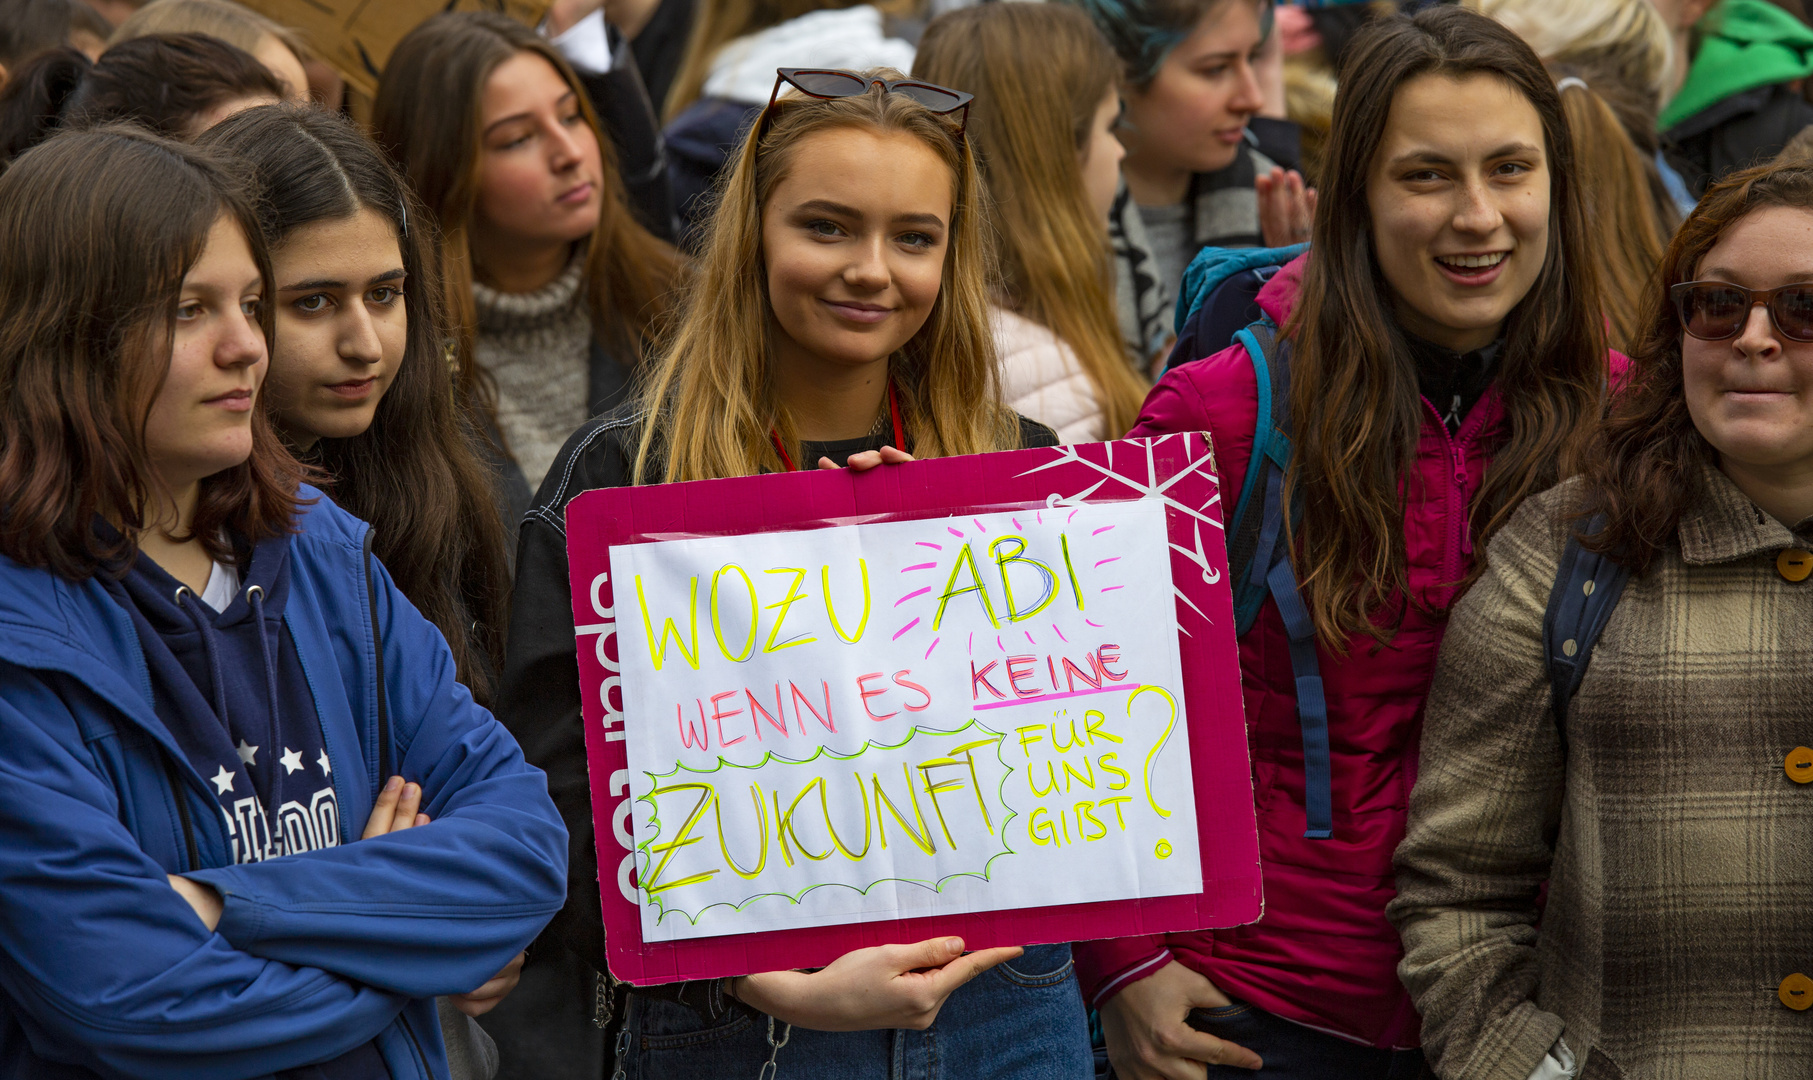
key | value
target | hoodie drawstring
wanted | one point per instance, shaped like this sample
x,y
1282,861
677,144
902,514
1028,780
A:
x,y
204,626
255,597
254,594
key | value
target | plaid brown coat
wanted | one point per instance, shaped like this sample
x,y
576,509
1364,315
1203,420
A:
x,y
1678,852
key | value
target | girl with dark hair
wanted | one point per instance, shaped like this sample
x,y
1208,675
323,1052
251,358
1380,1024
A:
x,y
178,85
206,680
1664,804
554,288
842,317
359,384
1445,351
1195,176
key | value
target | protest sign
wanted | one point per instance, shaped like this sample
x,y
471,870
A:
x,y
993,696
356,36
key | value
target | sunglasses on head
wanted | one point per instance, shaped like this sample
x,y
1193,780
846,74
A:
x,y
1718,310
828,83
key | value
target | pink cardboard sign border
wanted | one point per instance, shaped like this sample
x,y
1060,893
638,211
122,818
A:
x,y
1178,468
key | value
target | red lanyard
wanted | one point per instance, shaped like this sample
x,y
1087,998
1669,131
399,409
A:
x,y
893,413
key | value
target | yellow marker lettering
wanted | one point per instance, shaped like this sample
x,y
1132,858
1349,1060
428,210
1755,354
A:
x,y
761,809
780,833
921,839
793,596
1040,836
717,624
1017,555
1086,810
825,805
1051,772
1115,802
1162,739
1103,761
1062,746
1027,740
965,559
1093,722
936,789
657,647
786,825
1075,589
969,758
1071,773
824,580
666,849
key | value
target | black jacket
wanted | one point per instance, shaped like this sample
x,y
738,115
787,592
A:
x,y
1742,130
538,699
629,117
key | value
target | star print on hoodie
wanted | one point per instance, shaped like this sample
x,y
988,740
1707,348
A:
x,y
229,686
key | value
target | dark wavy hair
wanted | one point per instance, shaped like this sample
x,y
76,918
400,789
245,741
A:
x,y
1356,409
1646,471
99,230
415,474
163,81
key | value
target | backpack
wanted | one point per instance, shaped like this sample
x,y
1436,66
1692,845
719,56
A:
x,y
1587,585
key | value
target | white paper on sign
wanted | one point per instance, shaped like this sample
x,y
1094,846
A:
x,y
910,718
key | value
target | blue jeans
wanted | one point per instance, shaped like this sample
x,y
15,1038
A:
x,y
1291,1050
1022,1020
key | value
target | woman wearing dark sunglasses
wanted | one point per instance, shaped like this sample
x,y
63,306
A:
x,y
840,318
1667,808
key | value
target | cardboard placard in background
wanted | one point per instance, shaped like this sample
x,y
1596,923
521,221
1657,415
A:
x,y
356,36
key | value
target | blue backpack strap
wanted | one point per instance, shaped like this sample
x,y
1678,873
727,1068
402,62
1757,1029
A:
x,y
1259,565
1587,587
1249,551
1214,265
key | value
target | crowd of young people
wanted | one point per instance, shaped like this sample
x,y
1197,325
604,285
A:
x,y
292,406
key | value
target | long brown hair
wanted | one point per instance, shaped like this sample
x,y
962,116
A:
x,y
1356,410
1627,235
427,115
415,473
1039,72
1646,473
100,227
710,403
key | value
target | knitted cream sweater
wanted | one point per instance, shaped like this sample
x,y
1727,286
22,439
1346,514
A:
x,y
537,346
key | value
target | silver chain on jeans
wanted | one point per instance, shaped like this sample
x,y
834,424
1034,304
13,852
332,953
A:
x,y
770,1069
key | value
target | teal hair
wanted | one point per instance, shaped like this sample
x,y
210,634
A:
x,y
1143,32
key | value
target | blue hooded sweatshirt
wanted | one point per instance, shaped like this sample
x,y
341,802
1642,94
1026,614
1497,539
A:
x,y
106,971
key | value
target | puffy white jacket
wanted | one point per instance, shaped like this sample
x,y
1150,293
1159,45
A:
x,y
853,38
1042,379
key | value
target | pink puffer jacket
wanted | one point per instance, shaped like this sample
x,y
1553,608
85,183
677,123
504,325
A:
x,y
1322,955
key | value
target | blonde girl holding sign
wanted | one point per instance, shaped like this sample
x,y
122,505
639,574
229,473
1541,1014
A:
x,y
862,335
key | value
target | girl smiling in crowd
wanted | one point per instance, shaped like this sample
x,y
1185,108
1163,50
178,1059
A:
x,y
1655,806
1446,359
841,318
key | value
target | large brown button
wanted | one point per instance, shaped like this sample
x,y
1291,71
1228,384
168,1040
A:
x,y
1795,564
1799,765
1796,992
